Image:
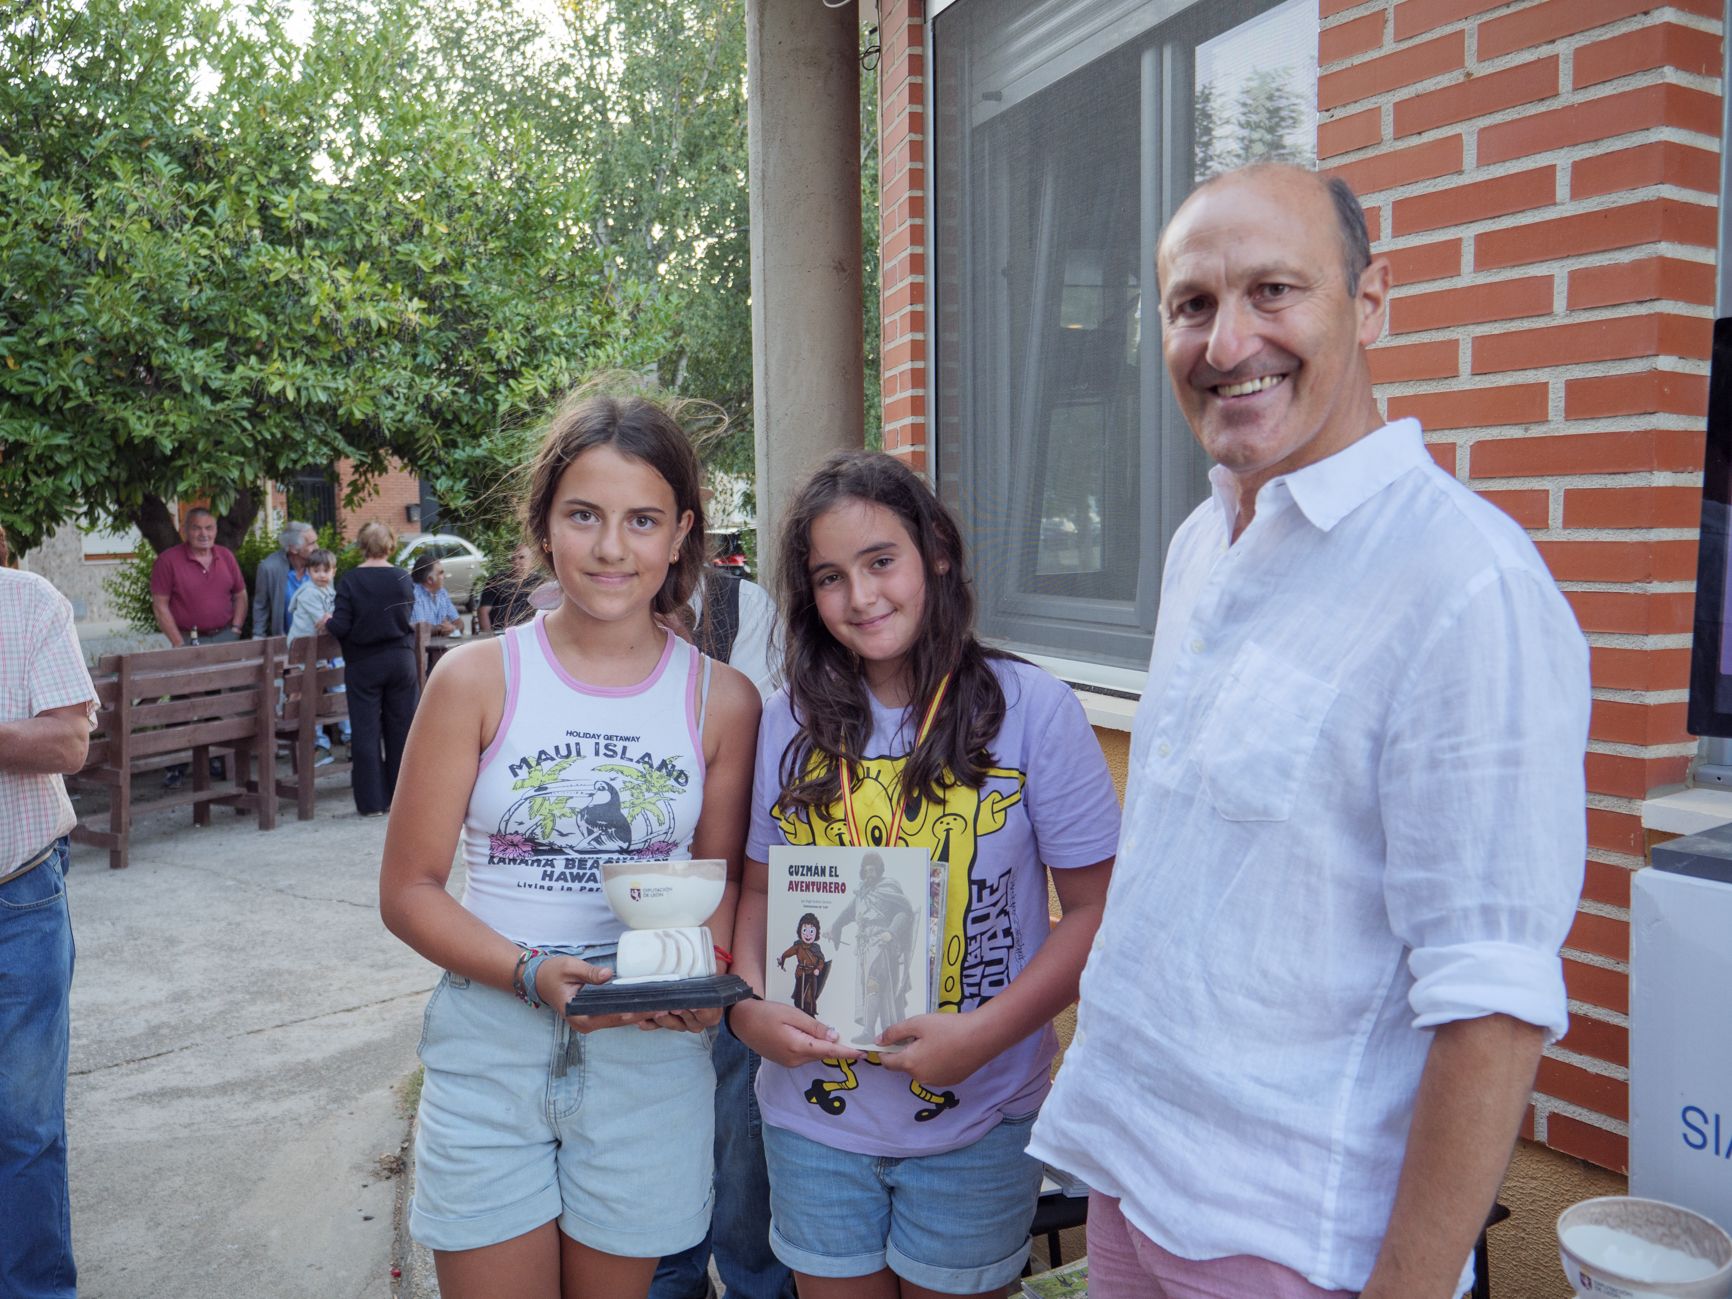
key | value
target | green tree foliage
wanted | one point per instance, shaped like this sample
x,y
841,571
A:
x,y
128,587
227,255
658,107
1206,132
1268,116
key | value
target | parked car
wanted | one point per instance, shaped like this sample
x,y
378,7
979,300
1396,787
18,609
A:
x,y
730,554
464,563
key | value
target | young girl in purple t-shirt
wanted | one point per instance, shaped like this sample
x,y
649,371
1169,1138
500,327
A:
x,y
904,1173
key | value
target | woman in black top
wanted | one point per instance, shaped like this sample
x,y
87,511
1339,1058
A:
x,y
371,621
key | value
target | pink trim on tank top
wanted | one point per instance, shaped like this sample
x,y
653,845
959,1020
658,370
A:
x,y
513,679
691,713
612,692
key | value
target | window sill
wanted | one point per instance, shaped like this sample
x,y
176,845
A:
x,y
1107,712
1687,811
1109,695
1126,683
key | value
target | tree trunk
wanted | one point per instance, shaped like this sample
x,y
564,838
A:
x,y
156,522
232,527
159,526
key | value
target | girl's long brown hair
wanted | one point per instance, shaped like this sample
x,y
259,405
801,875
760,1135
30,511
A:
x,y
826,687
644,430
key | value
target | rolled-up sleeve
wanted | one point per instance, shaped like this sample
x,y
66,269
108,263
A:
x,y
1482,794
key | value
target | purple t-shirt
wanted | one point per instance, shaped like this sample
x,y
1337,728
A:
x,y
1047,798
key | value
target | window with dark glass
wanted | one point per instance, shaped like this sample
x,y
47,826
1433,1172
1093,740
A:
x,y
1710,708
1064,134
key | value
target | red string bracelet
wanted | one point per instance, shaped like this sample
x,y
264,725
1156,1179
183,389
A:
x,y
725,955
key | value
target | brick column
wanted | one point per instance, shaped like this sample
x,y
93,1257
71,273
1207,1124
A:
x,y
902,226
1543,176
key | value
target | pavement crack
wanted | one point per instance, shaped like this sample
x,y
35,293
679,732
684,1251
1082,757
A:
x,y
279,890
251,1032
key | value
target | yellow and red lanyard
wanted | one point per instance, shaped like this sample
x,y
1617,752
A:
x,y
850,817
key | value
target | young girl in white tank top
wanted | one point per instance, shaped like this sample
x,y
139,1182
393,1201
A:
x,y
562,1157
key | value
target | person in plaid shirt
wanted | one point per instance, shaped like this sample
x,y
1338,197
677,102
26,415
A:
x,y
46,703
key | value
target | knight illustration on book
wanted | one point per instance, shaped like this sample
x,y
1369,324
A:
x,y
886,939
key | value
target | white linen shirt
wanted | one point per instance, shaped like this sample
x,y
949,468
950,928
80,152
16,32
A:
x,y
1354,811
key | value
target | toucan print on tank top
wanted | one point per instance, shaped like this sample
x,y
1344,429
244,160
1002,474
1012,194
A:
x,y
587,801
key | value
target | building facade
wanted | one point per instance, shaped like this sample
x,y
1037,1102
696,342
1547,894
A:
x,y
1545,178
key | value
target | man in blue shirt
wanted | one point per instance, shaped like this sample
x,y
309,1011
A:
x,y
432,601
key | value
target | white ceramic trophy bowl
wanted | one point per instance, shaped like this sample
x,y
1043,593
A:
x,y
1654,1242
665,904
664,894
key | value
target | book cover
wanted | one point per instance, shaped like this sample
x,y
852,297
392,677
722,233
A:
x,y
850,936
1068,1282
1055,1179
938,889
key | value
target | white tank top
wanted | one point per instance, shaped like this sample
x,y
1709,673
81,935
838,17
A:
x,y
579,775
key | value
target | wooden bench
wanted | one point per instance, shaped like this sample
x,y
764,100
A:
x,y
157,707
309,678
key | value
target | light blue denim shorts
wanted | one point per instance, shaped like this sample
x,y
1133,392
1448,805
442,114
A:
x,y
956,1222
523,1121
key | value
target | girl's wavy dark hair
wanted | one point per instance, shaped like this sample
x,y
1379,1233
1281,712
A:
x,y
643,429
826,688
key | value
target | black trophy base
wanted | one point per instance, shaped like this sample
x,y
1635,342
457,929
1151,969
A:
x,y
711,992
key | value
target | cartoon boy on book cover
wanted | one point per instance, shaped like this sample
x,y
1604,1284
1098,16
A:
x,y
811,970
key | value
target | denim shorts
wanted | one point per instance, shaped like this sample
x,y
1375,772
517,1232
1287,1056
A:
x,y
523,1121
955,1222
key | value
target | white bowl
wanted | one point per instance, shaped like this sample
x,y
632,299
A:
x,y
664,894
1657,1223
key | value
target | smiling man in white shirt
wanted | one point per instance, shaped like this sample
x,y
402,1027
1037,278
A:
x,y
1354,821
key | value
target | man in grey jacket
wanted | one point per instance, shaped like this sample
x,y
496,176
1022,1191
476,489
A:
x,y
279,576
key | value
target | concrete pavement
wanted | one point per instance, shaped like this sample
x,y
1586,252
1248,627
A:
x,y
241,1026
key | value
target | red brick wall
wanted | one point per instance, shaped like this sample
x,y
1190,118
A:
x,y
392,493
1543,176
386,502
902,225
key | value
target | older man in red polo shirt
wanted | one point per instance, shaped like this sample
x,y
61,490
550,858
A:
x,y
198,595
196,588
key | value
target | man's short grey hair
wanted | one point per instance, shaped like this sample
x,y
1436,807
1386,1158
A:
x,y
1355,239
290,537
1349,216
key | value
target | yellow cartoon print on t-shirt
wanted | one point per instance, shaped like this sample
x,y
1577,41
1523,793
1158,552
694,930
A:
x,y
979,936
